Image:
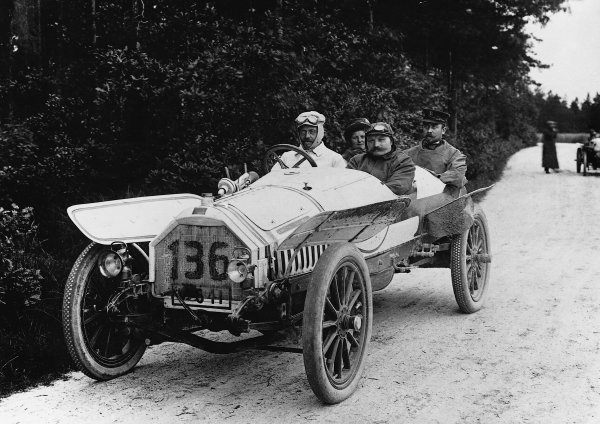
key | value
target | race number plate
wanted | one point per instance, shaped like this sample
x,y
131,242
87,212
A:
x,y
193,260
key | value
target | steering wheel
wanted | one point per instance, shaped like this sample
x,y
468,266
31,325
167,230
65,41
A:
x,y
272,156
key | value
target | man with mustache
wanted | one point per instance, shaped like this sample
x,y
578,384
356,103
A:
x,y
435,154
382,160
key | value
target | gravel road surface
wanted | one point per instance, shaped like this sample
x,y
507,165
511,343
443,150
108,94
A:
x,y
530,356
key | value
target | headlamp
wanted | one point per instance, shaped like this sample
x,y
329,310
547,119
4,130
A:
x,y
110,264
237,270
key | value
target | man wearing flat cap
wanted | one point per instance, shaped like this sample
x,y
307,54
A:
x,y
310,130
382,160
354,134
435,154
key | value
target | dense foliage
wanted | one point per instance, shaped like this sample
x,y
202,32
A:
x,y
102,100
29,299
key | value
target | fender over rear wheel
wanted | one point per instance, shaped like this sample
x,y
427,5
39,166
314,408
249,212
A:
x,y
337,322
100,347
470,264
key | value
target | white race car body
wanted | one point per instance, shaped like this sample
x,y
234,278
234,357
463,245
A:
x,y
260,218
298,248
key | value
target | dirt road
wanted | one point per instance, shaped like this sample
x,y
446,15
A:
x,y
532,355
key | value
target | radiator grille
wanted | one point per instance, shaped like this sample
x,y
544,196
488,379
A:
x,y
304,262
194,259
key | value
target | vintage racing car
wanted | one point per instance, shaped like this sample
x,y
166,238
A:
x,y
588,155
300,248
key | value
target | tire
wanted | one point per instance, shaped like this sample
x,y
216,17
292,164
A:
x,y
585,162
101,349
336,330
578,161
470,264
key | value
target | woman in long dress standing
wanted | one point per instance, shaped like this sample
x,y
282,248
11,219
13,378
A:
x,y
549,159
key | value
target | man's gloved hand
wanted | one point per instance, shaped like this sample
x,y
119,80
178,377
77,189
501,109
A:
x,y
435,174
445,178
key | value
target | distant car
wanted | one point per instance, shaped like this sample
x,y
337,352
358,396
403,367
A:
x,y
588,156
299,248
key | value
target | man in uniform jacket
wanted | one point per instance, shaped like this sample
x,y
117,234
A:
x,y
382,160
435,154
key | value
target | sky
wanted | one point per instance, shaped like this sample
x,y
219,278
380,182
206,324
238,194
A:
x,y
571,45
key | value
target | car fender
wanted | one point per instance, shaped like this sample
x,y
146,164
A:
x,y
129,220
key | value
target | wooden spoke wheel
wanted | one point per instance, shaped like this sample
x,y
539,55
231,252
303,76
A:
x,y
337,322
100,346
470,264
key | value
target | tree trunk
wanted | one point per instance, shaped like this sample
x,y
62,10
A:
x,y
452,95
279,14
370,6
26,26
93,19
6,12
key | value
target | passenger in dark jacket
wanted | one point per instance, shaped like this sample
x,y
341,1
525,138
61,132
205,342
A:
x,y
435,154
395,169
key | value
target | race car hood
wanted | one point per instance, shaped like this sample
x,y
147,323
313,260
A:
x,y
283,199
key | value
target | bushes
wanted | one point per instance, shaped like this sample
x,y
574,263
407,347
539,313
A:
x,y
30,334
493,125
20,275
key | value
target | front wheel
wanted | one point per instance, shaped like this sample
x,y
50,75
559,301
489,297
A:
x,y
337,323
101,347
585,162
470,264
578,161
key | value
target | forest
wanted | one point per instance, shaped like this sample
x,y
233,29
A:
x,y
105,100
572,117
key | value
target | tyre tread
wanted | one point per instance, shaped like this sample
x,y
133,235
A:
x,y
463,299
92,370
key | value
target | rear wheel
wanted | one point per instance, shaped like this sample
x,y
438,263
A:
x,y
470,264
585,161
100,346
578,161
337,323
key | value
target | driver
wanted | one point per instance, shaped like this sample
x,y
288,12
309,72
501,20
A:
x,y
435,154
310,132
382,160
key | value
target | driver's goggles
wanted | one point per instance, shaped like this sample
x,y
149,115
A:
x,y
311,118
380,128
